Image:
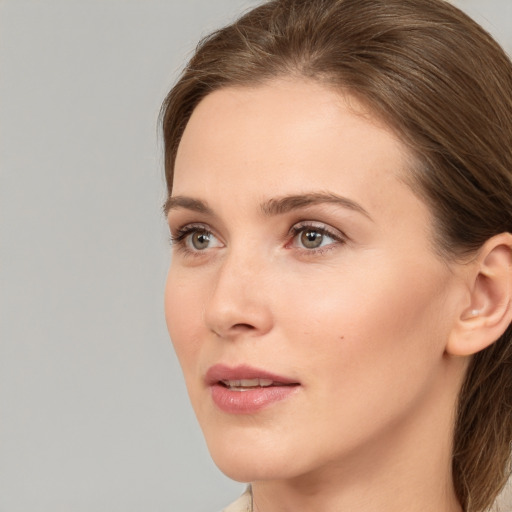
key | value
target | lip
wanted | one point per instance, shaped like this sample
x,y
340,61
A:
x,y
221,372
251,400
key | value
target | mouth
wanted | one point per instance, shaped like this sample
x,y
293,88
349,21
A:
x,y
248,384
245,377
247,390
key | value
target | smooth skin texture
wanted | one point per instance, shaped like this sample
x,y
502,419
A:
x,y
362,321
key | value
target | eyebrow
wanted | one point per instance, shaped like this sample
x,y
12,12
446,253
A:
x,y
188,203
274,206
280,205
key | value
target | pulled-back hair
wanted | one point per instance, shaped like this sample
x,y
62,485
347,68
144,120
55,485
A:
x,y
444,86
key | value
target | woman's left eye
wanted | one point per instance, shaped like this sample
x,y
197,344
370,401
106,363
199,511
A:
x,y
313,237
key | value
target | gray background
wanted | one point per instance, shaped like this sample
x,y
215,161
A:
x,y
93,412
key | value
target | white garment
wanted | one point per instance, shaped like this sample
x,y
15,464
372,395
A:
x,y
242,504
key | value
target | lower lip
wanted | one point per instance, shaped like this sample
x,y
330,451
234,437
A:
x,y
249,401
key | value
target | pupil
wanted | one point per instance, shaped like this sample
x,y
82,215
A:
x,y
200,240
311,239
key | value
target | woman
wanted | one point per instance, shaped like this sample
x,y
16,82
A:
x,y
340,203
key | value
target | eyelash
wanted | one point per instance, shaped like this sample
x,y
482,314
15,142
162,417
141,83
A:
x,y
179,240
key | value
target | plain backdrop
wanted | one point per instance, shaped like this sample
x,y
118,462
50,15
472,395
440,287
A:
x,y
93,412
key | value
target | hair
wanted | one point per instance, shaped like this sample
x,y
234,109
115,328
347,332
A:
x,y
441,82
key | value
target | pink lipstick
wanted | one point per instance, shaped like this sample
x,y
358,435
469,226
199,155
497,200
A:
x,y
246,390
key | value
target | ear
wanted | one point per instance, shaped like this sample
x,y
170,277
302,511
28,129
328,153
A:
x,y
489,312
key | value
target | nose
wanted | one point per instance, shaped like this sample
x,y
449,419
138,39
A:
x,y
240,304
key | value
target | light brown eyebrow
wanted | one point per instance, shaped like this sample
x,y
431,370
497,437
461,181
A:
x,y
188,203
280,205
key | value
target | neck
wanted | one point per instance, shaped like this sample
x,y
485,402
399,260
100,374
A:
x,y
408,469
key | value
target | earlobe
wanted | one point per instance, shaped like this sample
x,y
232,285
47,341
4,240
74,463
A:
x,y
489,312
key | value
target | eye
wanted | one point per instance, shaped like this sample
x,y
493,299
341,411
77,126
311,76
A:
x,y
312,237
195,239
200,240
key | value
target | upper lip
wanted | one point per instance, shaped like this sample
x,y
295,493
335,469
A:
x,y
221,372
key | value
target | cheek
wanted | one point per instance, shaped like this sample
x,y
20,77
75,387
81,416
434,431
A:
x,y
182,311
360,326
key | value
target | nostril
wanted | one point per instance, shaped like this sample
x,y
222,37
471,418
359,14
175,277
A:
x,y
243,327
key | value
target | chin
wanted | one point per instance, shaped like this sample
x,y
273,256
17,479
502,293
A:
x,y
250,458
239,471
245,470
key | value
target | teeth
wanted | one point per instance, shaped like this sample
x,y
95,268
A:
x,y
244,384
249,383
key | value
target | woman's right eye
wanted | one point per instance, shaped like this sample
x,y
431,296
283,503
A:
x,y
195,239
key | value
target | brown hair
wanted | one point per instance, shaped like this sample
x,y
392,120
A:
x,y
445,86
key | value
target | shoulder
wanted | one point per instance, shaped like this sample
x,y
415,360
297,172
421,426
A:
x,y
242,504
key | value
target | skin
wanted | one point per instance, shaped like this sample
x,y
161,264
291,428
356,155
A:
x,y
361,322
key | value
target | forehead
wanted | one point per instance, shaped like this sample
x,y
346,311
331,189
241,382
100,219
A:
x,y
281,125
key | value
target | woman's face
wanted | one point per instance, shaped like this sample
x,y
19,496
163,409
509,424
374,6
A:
x,y
305,302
